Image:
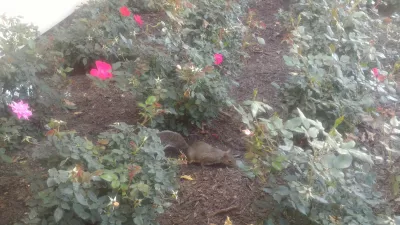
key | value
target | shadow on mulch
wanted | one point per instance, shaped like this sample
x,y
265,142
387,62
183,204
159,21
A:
x,y
96,108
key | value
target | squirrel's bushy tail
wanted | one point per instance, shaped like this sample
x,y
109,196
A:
x,y
174,140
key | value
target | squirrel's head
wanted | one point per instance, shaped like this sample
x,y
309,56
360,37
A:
x,y
228,159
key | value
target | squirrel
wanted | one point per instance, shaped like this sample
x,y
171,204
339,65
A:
x,y
198,152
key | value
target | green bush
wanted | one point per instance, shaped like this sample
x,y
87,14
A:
x,y
145,59
23,68
312,171
124,178
332,56
21,63
338,80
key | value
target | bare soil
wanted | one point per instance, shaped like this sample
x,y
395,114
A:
x,y
215,192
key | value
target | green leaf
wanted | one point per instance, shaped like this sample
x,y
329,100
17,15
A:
x,y
109,177
80,211
67,191
261,41
88,145
361,156
58,214
144,188
151,100
327,160
257,107
305,121
246,169
338,121
68,69
343,161
277,165
277,122
80,198
348,145
293,124
65,205
313,132
116,65
115,184
282,190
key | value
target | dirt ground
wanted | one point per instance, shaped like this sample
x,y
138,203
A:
x,y
216,192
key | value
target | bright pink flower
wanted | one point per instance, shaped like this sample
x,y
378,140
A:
x,y
375,71
21,109
103,70
218,58
124,11
378,75
138,19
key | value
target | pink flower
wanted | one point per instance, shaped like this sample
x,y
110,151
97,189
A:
x,y
138,19
378,75
21,109
103,70
247,132
375,71
124,11
218,58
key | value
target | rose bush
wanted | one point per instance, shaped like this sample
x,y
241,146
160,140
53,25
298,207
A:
x,y
322,160
332,56
123,178
204,38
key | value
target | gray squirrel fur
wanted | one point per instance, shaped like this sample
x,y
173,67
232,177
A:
x,y
199,152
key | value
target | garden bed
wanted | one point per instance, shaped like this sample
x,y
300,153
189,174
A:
x,y
215,188
332,141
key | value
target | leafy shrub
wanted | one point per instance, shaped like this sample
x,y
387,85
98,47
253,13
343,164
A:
x,y
147,5
148,67
332,55
10,136
312,171
124,178
20,64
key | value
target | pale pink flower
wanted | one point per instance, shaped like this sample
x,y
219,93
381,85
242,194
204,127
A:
x,y
103,70
138,20
21,109
124,11
247,132
218,58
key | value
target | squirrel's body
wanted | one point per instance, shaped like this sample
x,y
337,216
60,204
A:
x,y
199,151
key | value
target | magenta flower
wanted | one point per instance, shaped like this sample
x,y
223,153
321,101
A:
x,y
124,11
375,71
138,20
378,75
103,70
21,109
218,58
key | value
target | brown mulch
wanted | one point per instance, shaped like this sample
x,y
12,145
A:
x,y
97,108
215,192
